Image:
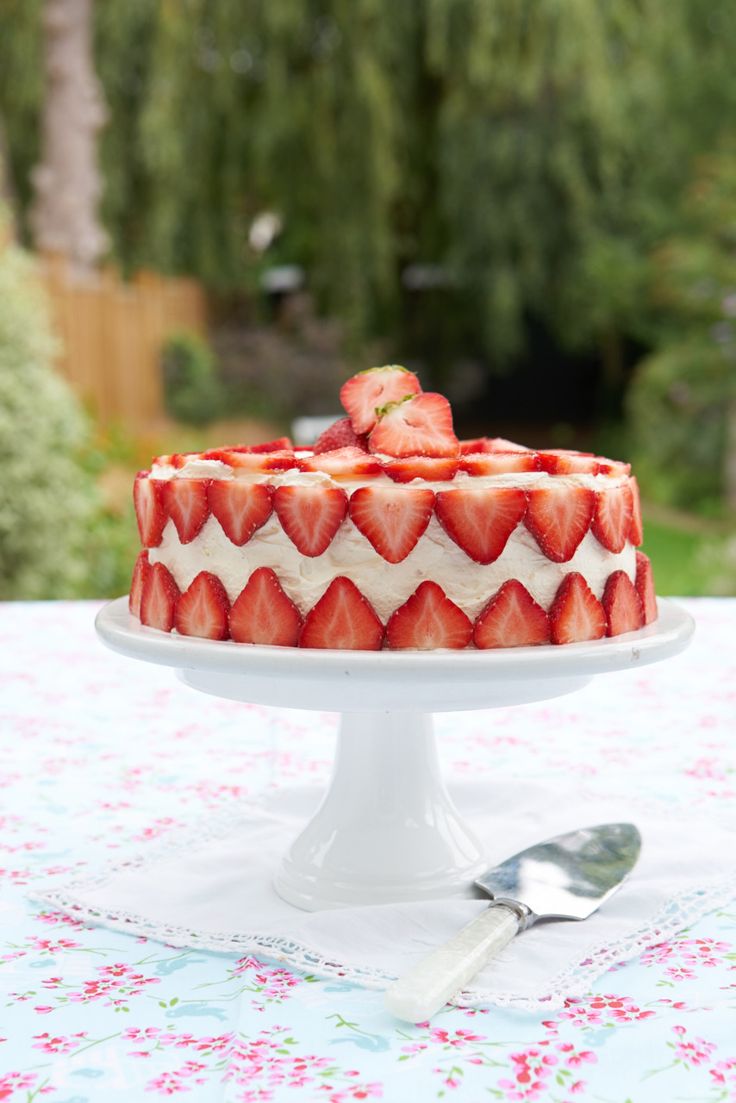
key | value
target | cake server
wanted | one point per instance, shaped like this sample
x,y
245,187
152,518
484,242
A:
x,y
567,877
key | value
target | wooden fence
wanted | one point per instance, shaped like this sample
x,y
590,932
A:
x,y
112,333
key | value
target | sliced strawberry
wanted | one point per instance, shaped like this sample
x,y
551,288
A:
x,y
480,519
342,463
512,618
613,467
159,597
622,605
568,463
371,390
185,502
140,574
417,426
262,612
636,530
392,518
240,507
490,444
576,614
259,462
558,518
612,517
310,515
340,435
343,619
434,468
149,509
645,587
203,609
177,459
428,620
498,463
281,444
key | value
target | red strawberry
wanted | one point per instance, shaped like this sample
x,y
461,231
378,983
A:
x,y
490,444
391,518
568,463
344,619
202,610
262,613
259,462
281,444
636,530
645,587
185,502
140,574
558,518
576,614
149,509
612,517
310,515
417,426
368,391
340,435
347,462
480,519
428,620
512,618
613,467
434,468
622,605
177,459
498,463
159,597
240,507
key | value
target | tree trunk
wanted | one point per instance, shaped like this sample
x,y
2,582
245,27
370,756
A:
x,y
67,182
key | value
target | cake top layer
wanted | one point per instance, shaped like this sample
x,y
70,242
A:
x,y
393,431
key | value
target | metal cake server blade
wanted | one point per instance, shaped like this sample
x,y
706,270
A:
x,y
567,877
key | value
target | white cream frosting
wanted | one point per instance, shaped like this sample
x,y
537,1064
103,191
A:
x,y
385,585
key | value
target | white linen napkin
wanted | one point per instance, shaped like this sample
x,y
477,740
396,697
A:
x,y
211,888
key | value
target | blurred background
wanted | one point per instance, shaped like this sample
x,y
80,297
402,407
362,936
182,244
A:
x,y
212,212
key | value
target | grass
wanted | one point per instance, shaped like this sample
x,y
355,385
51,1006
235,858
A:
x,y
688,560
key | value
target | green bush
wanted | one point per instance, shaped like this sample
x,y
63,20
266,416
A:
x,y
47,499
192,388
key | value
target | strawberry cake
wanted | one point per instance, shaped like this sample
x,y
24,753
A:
x,y
391,533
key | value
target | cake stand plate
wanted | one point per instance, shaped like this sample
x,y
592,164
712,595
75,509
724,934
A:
x,y
387,829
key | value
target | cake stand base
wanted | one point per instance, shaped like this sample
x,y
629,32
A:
x,y
387,829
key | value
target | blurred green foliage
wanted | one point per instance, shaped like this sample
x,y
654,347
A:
x,y
47,498
193,393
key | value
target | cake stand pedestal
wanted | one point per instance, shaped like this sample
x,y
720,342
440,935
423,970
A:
x,y
387,829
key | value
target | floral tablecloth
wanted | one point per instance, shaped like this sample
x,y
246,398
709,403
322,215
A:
x,y
100,755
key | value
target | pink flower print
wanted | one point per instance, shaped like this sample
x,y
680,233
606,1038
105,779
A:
x,y
16,1082
692,1053
456,1040
60,1043
115,984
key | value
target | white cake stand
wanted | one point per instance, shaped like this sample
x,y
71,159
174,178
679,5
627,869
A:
x,y
386,830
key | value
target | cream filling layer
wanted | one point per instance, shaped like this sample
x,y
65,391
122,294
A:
x,y
386,585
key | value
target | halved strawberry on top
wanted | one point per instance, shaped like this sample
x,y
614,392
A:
x,y
431,468
392,518
240,507
263,614
576,615
420,425
342,618
310,515
149,509
558,518
371,390
342,463
185,502
340,435
202,610
428,620
480,519
512,618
